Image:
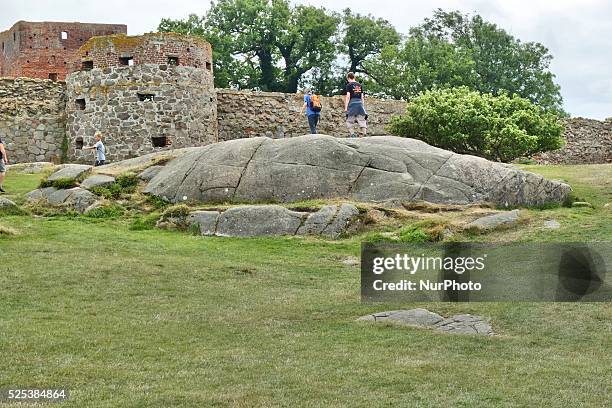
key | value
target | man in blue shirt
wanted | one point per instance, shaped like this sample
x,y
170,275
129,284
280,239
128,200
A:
x,y
313,116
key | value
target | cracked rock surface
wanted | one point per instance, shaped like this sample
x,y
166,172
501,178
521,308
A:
x,y
376,168
461,324
267,220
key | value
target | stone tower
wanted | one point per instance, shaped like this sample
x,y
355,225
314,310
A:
x,y
143,93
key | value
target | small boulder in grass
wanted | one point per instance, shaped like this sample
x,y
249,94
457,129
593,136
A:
x,y
489,222
6,203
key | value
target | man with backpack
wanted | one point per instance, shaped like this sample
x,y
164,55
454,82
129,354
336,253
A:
x,y
312,105
354,106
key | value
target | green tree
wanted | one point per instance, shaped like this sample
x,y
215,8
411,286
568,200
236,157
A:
x,y
501,62
364,37
419,64
306,43
229,71
265,44
500,128
452,49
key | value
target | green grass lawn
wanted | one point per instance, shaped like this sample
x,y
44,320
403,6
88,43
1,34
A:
x,y
161,319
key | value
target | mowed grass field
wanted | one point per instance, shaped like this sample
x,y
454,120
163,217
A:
x,y
165,319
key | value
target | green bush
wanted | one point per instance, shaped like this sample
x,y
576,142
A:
x,y
109,211
500,128
12,210
124,184
127,181
145,222
109,191
157,202
176,211
62,183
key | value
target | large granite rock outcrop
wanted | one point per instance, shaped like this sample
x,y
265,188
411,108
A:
x,y
369,169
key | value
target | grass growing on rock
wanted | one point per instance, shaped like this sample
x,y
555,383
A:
x,y
152,318
64,183
123,186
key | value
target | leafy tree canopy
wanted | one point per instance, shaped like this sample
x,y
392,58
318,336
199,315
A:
x,y
453,49
273,45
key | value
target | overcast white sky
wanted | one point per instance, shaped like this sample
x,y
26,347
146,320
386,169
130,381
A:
x,y
577,32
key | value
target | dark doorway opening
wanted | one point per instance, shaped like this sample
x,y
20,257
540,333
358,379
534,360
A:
x,y
79,143
80,104
87,65
53,76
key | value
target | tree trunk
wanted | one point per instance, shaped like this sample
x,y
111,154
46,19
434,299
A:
x,y
267,70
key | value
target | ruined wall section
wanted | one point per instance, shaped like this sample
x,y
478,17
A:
x,y
46,50
243,114
32,119
151,48
588,141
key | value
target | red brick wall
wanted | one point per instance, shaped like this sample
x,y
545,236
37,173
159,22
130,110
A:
x,y
36,50
152,48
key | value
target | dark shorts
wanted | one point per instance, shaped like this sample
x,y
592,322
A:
x,y
99,163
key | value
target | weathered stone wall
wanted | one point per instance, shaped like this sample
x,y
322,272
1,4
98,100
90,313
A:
x,y
138,108
45,50
588,141
243,114
32,119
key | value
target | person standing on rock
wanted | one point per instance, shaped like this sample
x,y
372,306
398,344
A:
x,y
354,106
100,150
312,106
3,161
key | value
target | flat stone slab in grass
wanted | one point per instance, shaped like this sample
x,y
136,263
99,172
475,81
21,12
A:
x,y
495,220
269,220
70,171
75,198
460,324
97,180
378,168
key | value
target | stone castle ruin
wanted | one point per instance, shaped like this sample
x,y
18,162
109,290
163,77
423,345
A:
x,y
142,93
45,50
63,82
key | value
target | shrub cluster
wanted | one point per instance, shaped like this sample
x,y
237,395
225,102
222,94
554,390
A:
x,y
500,128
